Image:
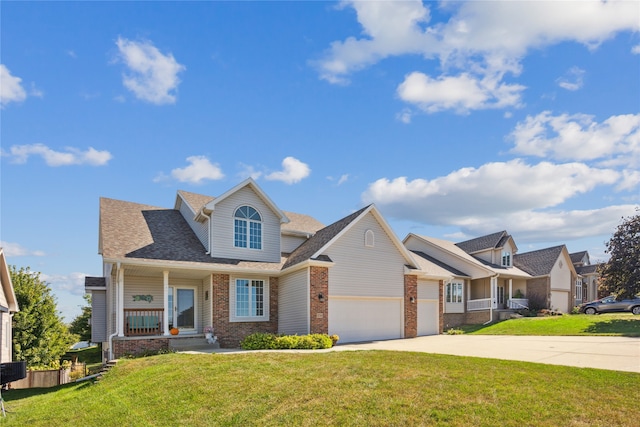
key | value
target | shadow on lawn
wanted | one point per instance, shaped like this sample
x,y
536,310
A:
x,y
17,394
623,327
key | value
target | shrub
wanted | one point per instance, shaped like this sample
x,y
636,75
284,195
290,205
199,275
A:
x,y
452,331
266,341
334,339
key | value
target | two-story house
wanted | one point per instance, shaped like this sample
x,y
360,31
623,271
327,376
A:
x,y
239,264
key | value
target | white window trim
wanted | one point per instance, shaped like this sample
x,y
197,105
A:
x,y
248,227
369,239
232,301
449,285
508,255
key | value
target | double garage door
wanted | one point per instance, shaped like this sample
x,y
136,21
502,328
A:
x,y
357,319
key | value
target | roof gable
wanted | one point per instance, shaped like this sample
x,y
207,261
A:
x,y
540,262
318,243
211,205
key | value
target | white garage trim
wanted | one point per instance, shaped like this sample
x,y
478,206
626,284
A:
x,y
362,318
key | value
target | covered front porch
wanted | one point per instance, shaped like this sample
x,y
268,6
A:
x,y
497,293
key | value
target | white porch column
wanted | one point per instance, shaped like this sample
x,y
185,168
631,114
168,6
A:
x,y
510,288
121,302
494,291
165,292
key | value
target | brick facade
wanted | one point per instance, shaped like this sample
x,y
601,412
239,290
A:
x,y
319,311
231,333
478,317
441,306
410,306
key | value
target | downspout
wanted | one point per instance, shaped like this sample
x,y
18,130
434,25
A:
x,y
491,305
116,311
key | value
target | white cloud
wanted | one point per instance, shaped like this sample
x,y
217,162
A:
x,y
494,188
10,88
483,40
572,80
293,171
72,283
248,171
152,77
199,169
614,142
16,250
462,93
636,49
521,198
72,156
341,180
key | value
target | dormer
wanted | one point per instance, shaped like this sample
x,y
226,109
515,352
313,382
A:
x,y
244,223
497,248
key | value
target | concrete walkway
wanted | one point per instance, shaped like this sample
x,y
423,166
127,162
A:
x,y
612,353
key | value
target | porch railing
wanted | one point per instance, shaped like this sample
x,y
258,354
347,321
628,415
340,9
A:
x,y
518,303
143,321
479,304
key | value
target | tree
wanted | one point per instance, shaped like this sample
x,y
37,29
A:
x,y
39,336
81,325
621,274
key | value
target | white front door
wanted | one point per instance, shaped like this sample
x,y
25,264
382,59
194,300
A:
x,y
182,308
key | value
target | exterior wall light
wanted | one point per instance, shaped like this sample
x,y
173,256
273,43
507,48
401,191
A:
x,y
413,300
321,297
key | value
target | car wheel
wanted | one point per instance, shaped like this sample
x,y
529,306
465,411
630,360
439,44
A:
x,y
590,310
636,309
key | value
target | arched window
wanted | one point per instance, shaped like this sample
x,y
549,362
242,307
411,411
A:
x,y
247,228
369,238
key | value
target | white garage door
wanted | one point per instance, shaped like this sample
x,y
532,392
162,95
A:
x,y
428,313
560,301
366,319
428,318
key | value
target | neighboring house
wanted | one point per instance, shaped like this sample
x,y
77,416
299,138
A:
x,y
480,278
554,280
241,265
8,306
589,276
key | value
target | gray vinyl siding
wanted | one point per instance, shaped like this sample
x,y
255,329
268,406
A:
x,y
223,228
138,285
359,270
291,243
98,316
199,228
293,303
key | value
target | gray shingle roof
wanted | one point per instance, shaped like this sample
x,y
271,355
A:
x,y
490,241
133,230
441,264
588,269
306,250
578,256
95,282
540,262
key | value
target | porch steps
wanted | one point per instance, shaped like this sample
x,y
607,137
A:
x,y
508,314
191,344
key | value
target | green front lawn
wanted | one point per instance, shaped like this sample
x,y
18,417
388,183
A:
x,y
614,324
363,388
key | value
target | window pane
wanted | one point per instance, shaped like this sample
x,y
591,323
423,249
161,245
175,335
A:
x,y
255,235
449,285
257,296
240,233
242,297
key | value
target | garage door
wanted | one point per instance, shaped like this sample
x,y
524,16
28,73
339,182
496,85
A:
x,y
560,301
366,319
428,313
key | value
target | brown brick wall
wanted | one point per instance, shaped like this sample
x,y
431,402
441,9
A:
x,y
441,306
410,308
539,293
319,311
453,320
231,333
477,317
136,347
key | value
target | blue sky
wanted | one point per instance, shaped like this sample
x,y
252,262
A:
x,y
456,119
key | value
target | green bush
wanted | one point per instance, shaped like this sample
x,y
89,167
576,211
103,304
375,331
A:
x,y
266,341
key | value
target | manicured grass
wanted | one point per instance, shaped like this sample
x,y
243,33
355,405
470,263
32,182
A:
x,y
364,388
614,324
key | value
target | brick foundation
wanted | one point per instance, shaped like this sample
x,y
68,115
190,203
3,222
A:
x,y
477,317
410,308
137,347
319,311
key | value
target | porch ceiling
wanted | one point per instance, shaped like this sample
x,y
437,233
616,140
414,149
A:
x,y
150,271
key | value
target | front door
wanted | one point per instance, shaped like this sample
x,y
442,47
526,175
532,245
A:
x,y
182,308
500,296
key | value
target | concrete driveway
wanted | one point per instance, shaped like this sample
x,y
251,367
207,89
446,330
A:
x,y
613,353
